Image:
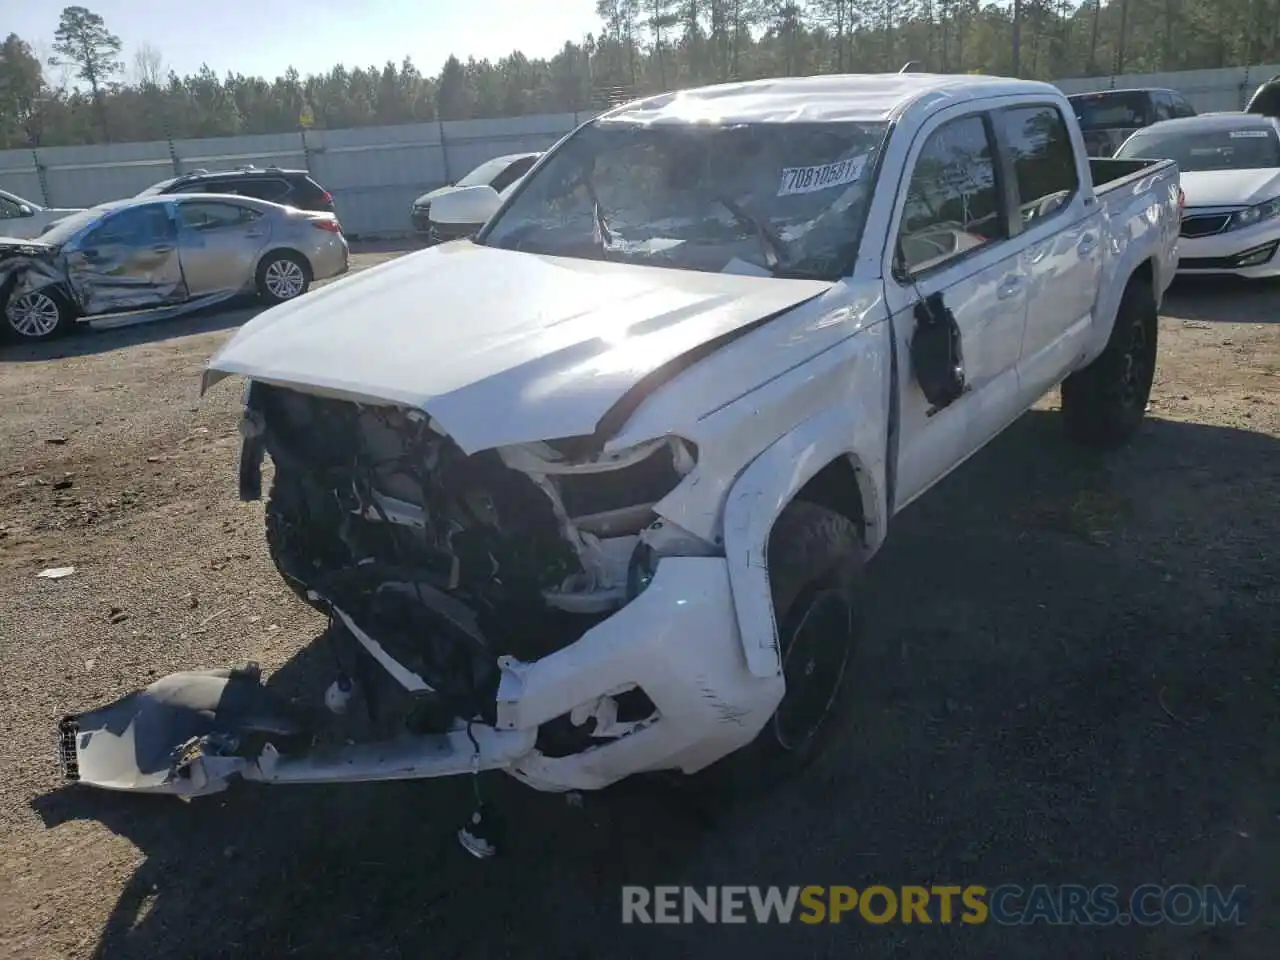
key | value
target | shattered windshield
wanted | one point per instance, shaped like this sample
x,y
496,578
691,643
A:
x,y
781,199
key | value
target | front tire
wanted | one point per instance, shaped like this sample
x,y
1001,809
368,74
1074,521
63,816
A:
x,y
1103,405
38,316
815,559
282,277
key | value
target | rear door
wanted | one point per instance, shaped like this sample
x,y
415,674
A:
x,y
952,235
219,242
1060,225
129,261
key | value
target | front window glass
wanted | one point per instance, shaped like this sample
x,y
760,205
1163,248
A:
x,y
787,199
1244,148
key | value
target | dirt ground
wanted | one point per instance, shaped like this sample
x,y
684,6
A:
x,y
1072,677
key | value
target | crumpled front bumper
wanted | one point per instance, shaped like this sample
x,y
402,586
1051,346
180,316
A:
x,y
189,734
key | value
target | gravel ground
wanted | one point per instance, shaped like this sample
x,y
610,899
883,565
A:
x,y
1071,677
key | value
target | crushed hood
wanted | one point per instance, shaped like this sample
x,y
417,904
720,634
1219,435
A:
x,y
500,347
1225,188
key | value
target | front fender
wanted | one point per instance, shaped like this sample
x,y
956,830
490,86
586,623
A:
x,y
773,480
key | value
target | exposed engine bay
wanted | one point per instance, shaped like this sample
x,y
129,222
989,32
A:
x,y
440,563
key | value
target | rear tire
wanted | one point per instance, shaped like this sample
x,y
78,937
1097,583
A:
x,y
283,276
815,559
1103,404
36,317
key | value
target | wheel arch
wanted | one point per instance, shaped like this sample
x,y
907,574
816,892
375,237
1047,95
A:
x,y
813,462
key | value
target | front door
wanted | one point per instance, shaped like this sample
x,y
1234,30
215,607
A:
x,y
220,242
129,261
952,227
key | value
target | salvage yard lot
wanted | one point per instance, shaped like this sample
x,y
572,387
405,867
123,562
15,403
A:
x,y
1072,677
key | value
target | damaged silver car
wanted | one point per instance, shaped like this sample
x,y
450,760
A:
x,y
156,257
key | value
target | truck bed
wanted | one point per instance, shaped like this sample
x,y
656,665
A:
x,y
1109,173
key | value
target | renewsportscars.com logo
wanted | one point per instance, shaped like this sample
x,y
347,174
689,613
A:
x,y
1008,905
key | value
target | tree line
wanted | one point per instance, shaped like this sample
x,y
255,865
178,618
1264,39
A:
x,y
75,88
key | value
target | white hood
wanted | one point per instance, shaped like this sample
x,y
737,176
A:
x,y
500,347
1225,188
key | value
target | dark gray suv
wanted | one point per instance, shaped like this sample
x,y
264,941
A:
x,y
293,188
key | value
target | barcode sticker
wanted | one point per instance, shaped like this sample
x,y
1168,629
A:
x,y
809,179
1248,134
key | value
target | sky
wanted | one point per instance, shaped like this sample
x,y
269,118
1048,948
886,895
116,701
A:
x,y
265,37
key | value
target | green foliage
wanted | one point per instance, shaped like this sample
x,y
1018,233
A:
x,y
643,46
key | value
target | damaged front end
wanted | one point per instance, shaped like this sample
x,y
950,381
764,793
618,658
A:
x,y
488,611
28,267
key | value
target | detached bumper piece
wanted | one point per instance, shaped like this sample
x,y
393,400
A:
x,y
190,734
1253,257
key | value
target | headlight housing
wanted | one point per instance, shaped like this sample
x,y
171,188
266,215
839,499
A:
x,y
1255,214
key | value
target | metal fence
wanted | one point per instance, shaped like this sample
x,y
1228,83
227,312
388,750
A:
x,y
375,173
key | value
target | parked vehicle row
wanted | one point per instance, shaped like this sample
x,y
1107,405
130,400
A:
x,y
591,494
1230,164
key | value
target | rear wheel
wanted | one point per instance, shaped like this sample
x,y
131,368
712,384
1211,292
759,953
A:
x,y
283,276
1103,404
40,315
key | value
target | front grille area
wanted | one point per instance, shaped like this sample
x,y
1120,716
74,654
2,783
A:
x,y
68,730
1253,257
1204,224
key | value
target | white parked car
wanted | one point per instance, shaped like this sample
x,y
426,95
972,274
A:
x,y
591,495
24,220
1230,166
500,173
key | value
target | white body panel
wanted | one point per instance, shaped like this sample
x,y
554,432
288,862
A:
x,y
506,348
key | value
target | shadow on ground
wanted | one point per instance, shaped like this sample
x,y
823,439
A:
x,y
1223,299
83,340
1069,679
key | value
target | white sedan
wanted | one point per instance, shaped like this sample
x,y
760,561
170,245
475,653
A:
x,y
23,219
1230,165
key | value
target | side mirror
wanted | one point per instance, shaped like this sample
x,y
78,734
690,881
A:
x,y
466,205
25,211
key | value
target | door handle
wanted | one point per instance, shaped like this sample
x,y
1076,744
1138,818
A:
x,y
1010,286
255,233
162,247
1088,243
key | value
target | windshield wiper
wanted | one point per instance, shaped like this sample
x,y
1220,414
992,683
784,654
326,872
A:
x,y
606,235
771,245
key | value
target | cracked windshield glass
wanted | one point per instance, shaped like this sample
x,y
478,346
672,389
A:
x,y
774,199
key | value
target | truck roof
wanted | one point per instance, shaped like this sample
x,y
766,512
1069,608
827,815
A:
x,y
828,98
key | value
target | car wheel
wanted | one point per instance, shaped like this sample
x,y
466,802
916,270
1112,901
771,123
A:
x,y
283,276
40,315
815,559
1103,405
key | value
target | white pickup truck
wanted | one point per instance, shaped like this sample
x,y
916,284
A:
x,y
591,494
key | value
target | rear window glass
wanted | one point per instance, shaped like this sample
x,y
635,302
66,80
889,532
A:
x,y
1107,111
